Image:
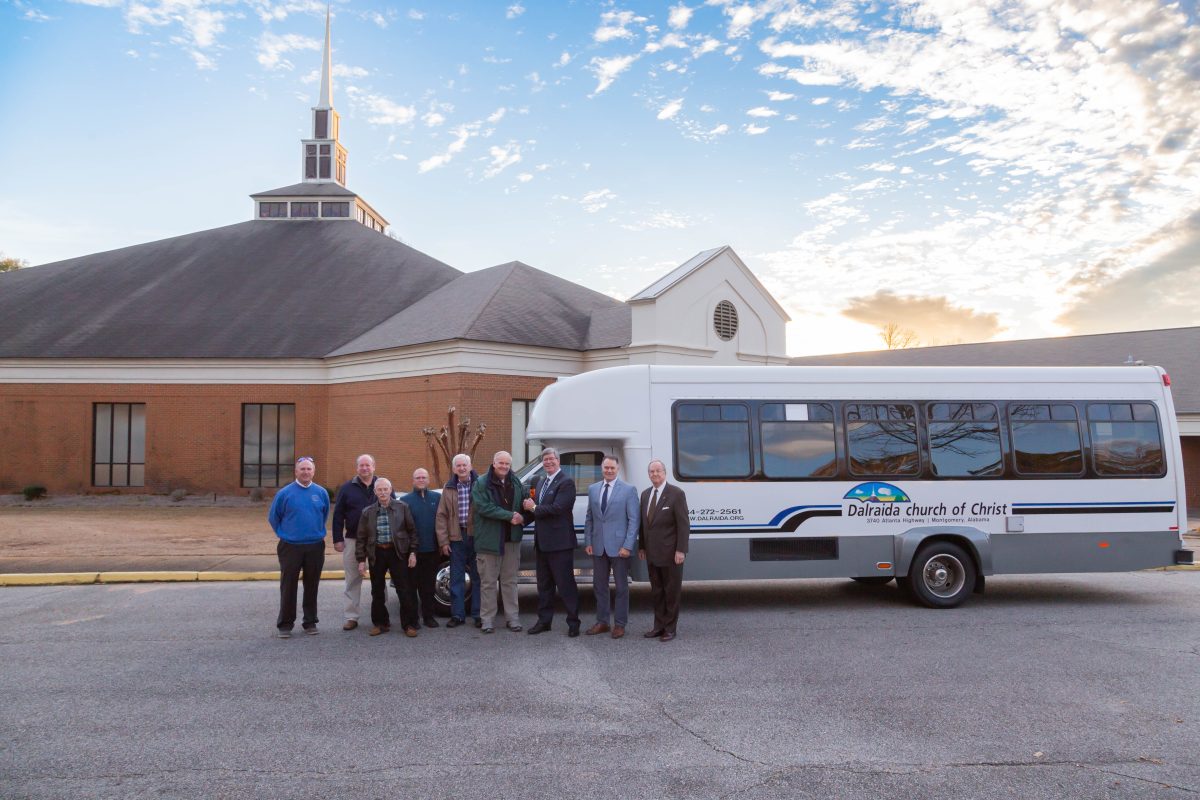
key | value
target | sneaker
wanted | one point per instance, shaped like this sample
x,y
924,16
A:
x,y
488,629
515,627
283,633
431,623
311,631
455,622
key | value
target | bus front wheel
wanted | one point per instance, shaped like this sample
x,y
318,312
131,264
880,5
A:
x,y
941,576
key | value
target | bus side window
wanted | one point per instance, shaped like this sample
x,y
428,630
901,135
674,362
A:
x,y
583,468
1125,439
964,440
798,440
712,440
1046,438
882,439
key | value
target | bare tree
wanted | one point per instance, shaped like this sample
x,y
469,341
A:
x,y
11,263
897,338
453,438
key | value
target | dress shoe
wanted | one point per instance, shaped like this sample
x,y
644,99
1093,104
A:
x,y
283,633
667,636
478,622
515,627
599,627
410,632
618,631
654,634
455,622
431,623
488,629
378,629
350,625
573,631
311,630
538,627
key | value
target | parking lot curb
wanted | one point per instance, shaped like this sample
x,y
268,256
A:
x,y
86,578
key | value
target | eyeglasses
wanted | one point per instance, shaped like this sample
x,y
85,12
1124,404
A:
x,y
306,458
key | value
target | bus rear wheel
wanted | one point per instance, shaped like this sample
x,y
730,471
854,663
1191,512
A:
x,y
941,576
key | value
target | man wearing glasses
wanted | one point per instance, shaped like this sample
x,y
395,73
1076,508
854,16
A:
x,y
297,516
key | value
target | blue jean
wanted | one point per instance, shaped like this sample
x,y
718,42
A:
x,y
462,563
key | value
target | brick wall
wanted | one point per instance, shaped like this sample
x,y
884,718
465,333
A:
x,y
193,432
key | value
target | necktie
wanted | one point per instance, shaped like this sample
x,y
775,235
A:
x,y
653,505
604,499
545,486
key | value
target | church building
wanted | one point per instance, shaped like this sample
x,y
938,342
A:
x,y
211,361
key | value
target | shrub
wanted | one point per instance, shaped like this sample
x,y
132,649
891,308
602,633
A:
x,y
178,495
34,492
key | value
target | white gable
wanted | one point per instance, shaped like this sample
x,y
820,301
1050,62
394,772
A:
x,y
673,318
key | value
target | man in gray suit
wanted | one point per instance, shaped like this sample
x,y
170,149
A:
x,y
609,534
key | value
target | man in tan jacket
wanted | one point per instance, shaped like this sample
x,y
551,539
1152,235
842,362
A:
x,y
455,538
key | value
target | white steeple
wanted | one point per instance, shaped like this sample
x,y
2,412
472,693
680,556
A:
x,y
324,158
326,100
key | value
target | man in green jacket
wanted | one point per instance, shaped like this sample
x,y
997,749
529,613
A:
x,y
497,523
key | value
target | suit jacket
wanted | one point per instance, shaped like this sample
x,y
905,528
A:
x,y
616,527
554,516
669,531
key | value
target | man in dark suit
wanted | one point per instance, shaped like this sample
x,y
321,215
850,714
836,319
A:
x,y
552,507
663,544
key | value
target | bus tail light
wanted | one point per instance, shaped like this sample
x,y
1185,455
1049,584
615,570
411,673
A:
x,y
1103,545
1166,379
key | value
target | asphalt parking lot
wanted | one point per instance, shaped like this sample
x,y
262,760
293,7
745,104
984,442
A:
x,y
1047,686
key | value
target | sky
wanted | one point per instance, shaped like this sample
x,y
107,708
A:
x,y
968,170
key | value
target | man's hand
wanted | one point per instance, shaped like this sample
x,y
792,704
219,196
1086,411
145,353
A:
x,y
642,554
588,549
517,519
678,557
623,553
528,504
412,560
445,549
362,568
339,546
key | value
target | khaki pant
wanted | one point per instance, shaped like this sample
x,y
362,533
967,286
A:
x,y
492,568
353,581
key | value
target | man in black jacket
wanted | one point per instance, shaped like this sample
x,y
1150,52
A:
x,y
387,541
355,495
552,506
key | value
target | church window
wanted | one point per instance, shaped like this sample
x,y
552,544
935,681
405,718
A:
x,y
310,161
272,210
268,443
335,209
119,444
304,209
321,125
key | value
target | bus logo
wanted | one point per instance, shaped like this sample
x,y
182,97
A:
x,y
877,492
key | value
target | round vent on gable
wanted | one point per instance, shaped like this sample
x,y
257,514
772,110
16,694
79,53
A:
x,y
725,320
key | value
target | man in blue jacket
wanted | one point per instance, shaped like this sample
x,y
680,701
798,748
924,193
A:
x,y
609,535
423,502
552,506
297,516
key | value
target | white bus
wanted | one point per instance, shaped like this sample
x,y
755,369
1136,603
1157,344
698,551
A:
x,y
934,477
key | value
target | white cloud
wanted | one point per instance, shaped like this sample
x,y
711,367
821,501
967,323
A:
x,y
708,45
615,25
381,110
563,59
339,71
503,157
537,84
200,24
756,130
524,177
820,101
679,16
660,220
272,47
496,115
606,70
514,11
596,201
762,112
432,119
720,130
777,97
415,14
462,134
670,109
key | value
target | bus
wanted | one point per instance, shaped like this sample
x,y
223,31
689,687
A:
x,y
934,477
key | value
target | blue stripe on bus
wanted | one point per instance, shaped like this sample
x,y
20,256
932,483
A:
x,y
787,512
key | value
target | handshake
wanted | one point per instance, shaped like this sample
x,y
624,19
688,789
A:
x,y
517,519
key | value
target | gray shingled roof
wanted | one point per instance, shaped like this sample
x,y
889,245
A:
x,y
1177,350
258,289
512,303
308,190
